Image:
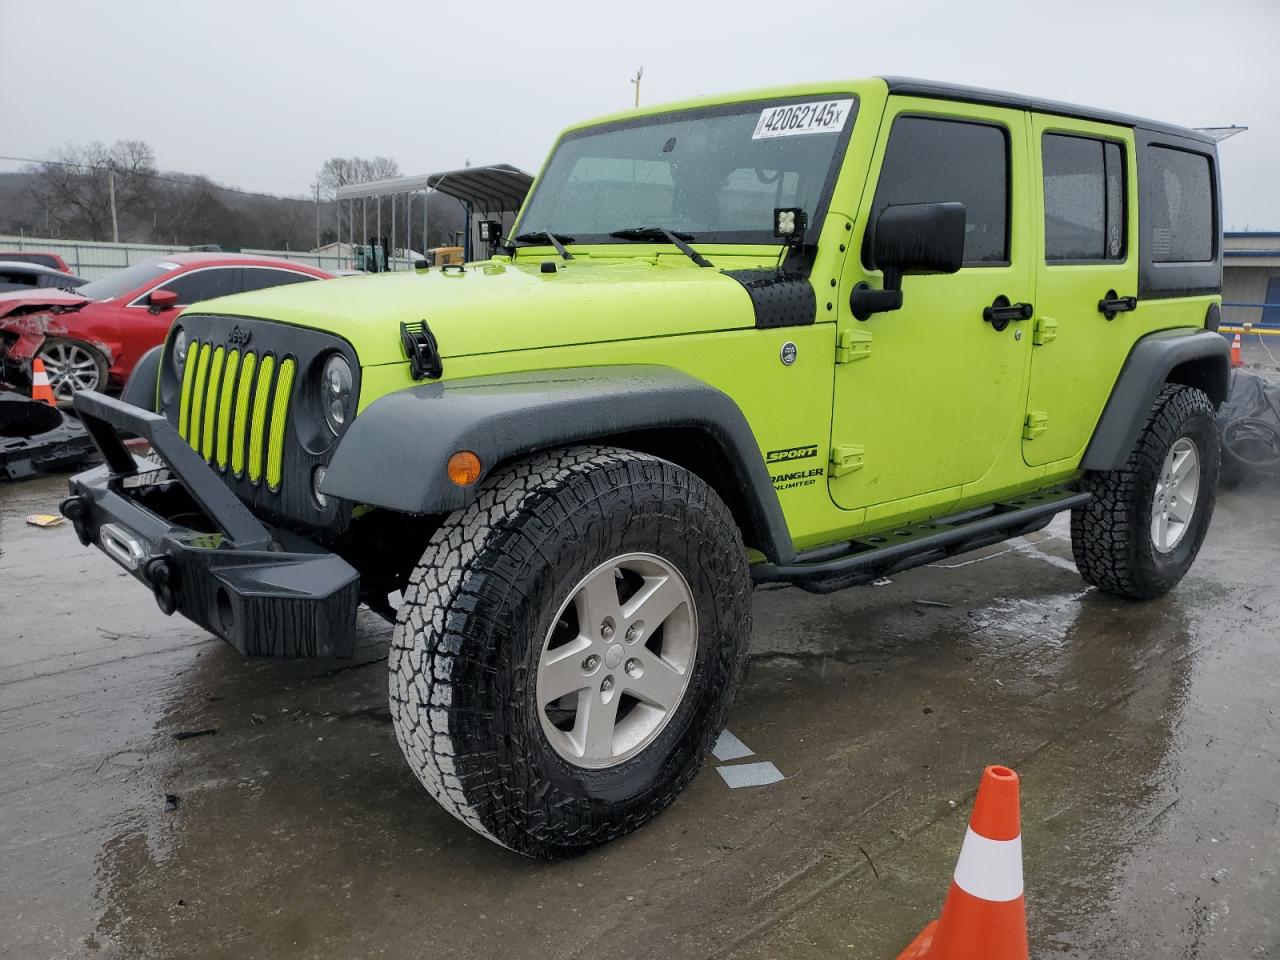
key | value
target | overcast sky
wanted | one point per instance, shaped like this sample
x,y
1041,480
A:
x,y
258,94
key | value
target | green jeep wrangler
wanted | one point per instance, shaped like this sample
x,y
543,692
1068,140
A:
x,y
814,335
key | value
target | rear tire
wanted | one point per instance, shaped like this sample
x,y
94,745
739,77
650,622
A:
x,y
496,606
1144,526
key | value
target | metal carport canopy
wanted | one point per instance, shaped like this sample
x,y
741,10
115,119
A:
x,y
496,187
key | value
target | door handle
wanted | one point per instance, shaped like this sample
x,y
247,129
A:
x,y
1001,313
1110,305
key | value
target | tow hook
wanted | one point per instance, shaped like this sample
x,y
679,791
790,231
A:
x,y
159,573
74,510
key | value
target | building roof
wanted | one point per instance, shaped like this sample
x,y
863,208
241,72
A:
x,y
492,188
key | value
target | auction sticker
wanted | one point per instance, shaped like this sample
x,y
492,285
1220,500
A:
x,y
798,119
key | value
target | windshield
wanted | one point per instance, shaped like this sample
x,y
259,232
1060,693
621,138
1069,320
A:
x,y
715,174
126,280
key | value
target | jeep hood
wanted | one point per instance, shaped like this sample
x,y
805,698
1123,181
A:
x,y
495,307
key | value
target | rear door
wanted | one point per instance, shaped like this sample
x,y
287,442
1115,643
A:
x,y
936,396
1086,265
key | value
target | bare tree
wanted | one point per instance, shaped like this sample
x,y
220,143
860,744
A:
x,y
76,185
343,171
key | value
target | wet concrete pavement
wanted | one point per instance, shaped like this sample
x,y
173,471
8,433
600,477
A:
x,y
1146,736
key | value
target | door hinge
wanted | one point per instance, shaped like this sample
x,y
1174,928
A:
x,y
846,458
1037,422
1046,329
853,345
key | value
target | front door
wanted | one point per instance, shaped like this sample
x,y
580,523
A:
x,y
930,397
1086,258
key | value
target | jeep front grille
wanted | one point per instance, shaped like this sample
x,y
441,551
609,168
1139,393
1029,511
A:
x,y
234,407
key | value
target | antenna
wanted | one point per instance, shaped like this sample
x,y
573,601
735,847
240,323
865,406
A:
x,y
636,81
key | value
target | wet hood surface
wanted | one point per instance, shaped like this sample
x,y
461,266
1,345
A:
x,y
23,301
493,307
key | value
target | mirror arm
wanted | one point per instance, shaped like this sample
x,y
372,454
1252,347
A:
x,y
864,301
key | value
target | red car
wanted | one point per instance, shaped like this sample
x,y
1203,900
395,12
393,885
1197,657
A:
x,y
51,260
91,337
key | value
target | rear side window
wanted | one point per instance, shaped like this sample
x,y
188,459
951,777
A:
x,y
1084,198
204,284
931,160
1180,195
259,278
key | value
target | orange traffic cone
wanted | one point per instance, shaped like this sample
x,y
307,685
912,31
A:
x,y
40,389
1237,358
984,916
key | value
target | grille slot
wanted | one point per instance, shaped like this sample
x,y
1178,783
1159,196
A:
x,y
234,408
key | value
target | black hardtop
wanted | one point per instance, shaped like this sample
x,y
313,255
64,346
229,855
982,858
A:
x,y
911,87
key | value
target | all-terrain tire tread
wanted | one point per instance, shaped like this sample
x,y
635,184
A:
x,y
456,592
1110,534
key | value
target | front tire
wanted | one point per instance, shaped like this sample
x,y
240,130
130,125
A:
x,y
1143,528
72,366
568,647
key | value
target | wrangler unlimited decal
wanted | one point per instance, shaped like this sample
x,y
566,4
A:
x,y
800,478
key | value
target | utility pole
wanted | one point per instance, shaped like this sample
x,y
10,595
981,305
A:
x,y
317,186
111,193
636,81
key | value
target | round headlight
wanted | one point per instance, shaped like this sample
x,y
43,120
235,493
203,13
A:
x,y
179,350
335,392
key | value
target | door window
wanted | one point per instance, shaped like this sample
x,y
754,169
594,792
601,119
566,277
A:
x,y
260,278
931,160
203,284
1084,202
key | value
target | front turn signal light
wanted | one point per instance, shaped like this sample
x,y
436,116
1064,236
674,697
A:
x,y
464,468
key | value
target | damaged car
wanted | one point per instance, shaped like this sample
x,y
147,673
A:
x,y
90,338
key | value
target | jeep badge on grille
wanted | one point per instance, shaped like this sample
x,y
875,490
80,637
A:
x,y
239,337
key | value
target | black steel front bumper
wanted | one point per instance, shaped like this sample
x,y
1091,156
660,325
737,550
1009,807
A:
x,y
179,529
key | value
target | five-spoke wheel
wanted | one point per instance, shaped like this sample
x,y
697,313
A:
x,y
616,661
72,366
1174,503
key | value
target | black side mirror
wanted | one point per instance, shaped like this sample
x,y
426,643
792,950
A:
x,y
913,238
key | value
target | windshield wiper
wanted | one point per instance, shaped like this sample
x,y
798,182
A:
x,y
558,240
662,233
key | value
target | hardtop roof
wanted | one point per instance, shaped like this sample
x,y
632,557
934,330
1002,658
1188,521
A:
x,y
912,87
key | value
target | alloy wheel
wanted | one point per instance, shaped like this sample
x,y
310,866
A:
x,y
617,660
1177,489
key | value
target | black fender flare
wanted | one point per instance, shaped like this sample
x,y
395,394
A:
x,y
1198,359
394,453
143,383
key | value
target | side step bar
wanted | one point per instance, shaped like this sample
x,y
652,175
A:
x,y
866,559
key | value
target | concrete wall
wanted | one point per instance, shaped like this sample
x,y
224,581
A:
x,y
1249,262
